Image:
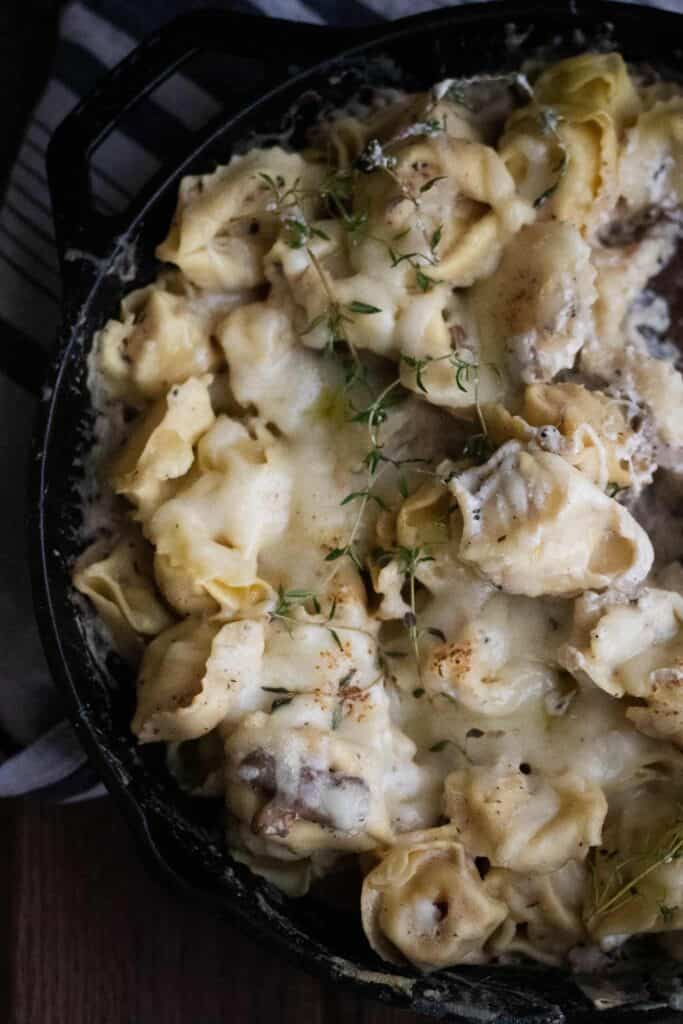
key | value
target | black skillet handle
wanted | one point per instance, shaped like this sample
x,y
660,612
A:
x,y
83,235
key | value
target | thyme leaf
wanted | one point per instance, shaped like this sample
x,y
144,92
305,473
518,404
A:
x,y
423,281
335,636
436,238
345,680
337,715
362,307
334,554
409,560
281,702
287,600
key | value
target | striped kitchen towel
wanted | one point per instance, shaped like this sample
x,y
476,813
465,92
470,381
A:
x,y
93,36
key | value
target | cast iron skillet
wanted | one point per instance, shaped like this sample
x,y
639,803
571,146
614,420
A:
x,y
182,838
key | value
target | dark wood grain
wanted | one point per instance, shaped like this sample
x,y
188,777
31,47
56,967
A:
x,y
89,938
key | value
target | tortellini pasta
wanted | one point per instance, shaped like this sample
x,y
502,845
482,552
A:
x,y
649,168
563,148
521,821
425,902
399,427
535,525
471,201
225,222
188,676
622,272
303,786
544,912
211,531
160,450
587,428
635,650
534,312
598,81
165,338
260,349
497,660
121,587
461,371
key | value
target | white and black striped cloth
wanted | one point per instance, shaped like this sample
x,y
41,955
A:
x,y
93,37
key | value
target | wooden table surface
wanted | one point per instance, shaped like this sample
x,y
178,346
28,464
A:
x,y
89,938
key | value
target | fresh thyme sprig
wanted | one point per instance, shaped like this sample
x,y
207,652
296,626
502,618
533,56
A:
x,y
288,204
423,281
612,891
375,462
336,316
287,601
465,371
409,559
376,412
337,191
374,158
298,234
345,691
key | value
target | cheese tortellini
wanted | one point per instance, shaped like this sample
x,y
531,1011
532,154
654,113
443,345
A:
x,y
425,902
587,428
225,222
294,782
534,311
391,457
120,586
535,525
188,677
635,650
544,912
210,532
563,147
160,449
520,821
165,337
498,660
